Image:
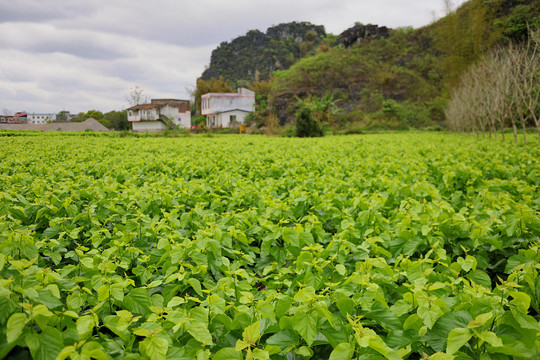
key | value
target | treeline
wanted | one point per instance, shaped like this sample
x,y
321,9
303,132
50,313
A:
x,y
502,90
113,120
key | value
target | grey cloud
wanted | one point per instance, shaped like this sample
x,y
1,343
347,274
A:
x,y
188,23
38,11
43,38
82,49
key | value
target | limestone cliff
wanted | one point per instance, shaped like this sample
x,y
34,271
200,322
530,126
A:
x,y
256,55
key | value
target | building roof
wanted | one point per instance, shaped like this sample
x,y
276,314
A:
x,y
145,106
181,105
242,92
89,124
207,95
227,111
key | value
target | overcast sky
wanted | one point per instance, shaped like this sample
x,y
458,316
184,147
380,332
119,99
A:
x,y
79,55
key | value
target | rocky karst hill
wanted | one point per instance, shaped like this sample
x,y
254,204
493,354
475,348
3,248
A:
x,y
256,55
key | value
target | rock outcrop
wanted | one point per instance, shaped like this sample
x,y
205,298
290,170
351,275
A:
x,y
360,33
256,55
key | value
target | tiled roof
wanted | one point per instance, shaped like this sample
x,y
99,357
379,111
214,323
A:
x,y
89,124
145,106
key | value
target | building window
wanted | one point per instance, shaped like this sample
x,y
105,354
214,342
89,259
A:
x,y
233,119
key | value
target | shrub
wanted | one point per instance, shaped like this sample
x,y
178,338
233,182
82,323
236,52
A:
x,y
404,115
306,125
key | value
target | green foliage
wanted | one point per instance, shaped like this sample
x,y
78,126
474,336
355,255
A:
x,y
113,120
199,121
95,114
61,116
520,21
359,247
218,85
463,36
116,120
306,124
261,114
396,115
390,68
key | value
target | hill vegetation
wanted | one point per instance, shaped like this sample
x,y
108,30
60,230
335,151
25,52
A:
x,y
400,80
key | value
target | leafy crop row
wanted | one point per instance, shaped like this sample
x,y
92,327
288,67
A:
x,y
373,247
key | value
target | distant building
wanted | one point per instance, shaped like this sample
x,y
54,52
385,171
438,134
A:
x,y
8,119
227,109
22,117
19,118
157,115
40,118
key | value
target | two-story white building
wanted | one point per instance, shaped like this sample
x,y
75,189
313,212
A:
x,y
227,109
155,117
40,118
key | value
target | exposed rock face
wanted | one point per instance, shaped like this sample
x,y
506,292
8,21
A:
x,y
256,55
359,33
294,30
283,106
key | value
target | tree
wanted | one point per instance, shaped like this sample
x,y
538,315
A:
x,y
94,114
306,124
502,87
206,86
117,120
62,116
325,107
136,96
261,113
526,63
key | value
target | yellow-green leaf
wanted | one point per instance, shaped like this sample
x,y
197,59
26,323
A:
x,y
341,352
15,326
491,338
199,331
85,326
456,339
252,333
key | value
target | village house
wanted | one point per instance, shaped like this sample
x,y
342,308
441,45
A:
x,y
159,115
22,117
18,118
227,109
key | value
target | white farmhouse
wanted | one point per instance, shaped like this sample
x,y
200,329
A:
x,y
227,109
155,116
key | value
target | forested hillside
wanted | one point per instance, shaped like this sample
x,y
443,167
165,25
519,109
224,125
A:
x,y
397,79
